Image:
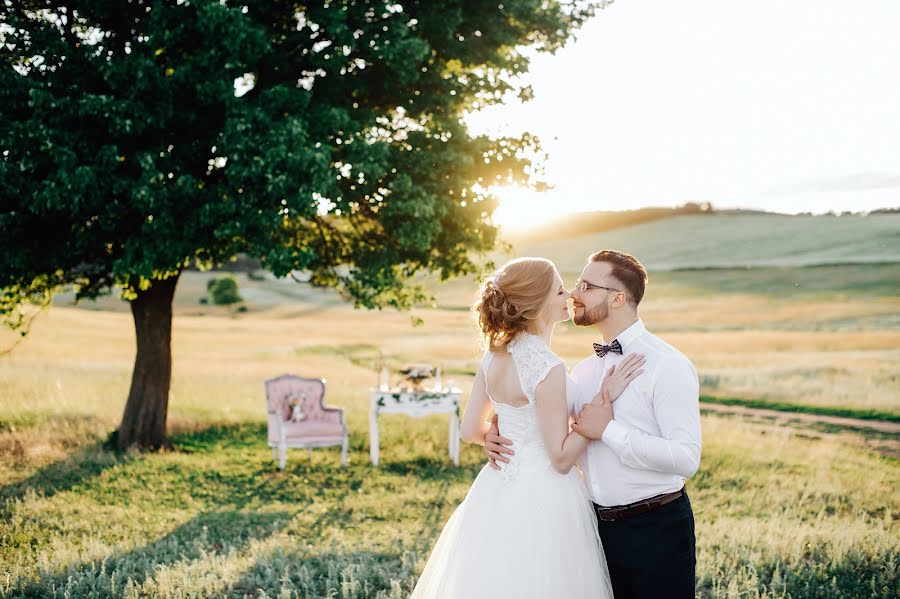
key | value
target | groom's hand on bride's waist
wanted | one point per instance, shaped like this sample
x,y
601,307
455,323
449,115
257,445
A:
x,y
495,446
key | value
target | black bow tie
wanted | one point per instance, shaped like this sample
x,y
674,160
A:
x,y
614,347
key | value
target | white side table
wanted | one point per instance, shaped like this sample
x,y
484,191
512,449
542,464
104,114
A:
x,y
415,404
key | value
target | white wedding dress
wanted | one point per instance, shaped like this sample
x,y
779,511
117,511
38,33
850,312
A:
x,y
526,531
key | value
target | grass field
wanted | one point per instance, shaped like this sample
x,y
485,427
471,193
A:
x,y
738,241
781,511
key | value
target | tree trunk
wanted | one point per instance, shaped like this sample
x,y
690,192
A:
x,y
144,422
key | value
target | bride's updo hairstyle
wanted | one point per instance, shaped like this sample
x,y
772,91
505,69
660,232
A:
x,y
513,298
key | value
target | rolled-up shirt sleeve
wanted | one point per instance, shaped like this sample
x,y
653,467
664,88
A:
x,y
676,405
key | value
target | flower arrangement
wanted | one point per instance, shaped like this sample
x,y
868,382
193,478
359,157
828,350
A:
x,y
416,373
295,405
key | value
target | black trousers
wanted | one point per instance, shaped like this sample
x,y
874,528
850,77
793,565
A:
x,y
652,555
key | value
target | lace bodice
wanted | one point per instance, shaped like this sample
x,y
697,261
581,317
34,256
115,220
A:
x,y
533,360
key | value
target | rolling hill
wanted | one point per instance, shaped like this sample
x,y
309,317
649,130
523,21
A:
x,y
734,240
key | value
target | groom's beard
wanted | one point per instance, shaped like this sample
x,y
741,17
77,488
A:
x,y
589,317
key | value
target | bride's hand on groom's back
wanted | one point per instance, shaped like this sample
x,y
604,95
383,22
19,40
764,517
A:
x,y
495,446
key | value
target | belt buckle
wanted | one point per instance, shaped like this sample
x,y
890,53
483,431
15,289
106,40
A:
x,y
608,514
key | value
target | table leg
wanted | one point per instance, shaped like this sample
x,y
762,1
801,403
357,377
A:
x,y
454,439
373,436
450,437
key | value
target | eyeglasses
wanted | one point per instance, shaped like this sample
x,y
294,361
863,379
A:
x,y
583,286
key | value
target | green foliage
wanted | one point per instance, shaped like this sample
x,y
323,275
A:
x,y
126,153
224,291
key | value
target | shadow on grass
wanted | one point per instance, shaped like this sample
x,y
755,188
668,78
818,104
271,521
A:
x,y
242,498
444,475
76,469
312,568
235,471
430,467
90,461
242,435
347,574
211,533
227,473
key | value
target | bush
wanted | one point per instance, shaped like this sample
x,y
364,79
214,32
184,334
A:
x,y
204,300
224,291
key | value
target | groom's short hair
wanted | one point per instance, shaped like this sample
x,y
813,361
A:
x,y
627,269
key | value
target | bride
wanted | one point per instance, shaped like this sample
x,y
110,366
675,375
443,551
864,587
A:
x,y
527,530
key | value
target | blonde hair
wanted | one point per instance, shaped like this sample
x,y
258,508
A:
x,y
512,299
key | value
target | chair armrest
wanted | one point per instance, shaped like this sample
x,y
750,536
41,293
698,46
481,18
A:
x,y
333,415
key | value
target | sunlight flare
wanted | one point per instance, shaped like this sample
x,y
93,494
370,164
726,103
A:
x,y
520,207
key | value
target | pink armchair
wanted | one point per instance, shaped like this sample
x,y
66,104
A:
x,y
298,417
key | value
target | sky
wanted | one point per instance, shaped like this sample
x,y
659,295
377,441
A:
x,y
783,105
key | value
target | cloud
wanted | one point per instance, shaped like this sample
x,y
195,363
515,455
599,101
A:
x,y
855,182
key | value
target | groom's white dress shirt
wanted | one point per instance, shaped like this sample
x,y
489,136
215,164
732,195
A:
x,y
653,442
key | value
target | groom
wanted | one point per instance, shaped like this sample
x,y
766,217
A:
x,y
644,448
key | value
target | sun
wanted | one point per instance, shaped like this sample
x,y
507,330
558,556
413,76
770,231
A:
x,y
521,208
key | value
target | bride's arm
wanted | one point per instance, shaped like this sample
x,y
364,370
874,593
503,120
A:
x,y
475,424
564,447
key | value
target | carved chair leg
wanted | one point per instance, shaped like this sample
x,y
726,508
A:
x,y
283,457
344,449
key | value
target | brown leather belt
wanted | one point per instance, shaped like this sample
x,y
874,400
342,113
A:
x,y
619,512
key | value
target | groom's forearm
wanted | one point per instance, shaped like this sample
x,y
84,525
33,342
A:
x,y
677,455
674,446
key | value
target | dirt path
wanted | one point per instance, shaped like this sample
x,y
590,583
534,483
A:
x,y
873,435
890,428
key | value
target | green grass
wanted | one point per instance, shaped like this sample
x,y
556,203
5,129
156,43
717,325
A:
x,y
214,517
778,514
782,510
803,409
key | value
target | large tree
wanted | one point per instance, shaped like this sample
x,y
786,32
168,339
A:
x,y
141,137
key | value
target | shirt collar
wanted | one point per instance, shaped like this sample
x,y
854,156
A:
x,y
629,335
